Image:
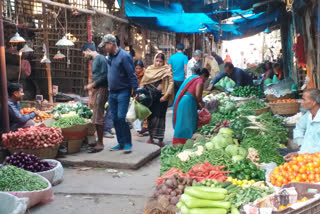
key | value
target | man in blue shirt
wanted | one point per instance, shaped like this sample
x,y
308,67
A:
x,y
99,87
16,119
307,131
240,77
178,63
122,80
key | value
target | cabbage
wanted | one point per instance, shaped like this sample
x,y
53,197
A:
x,y
242,152
221,141
237,158
209,146
230,106
226,131
232,150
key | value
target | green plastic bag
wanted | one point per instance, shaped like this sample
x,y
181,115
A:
x,y
142,112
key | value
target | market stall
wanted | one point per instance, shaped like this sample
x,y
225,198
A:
x,y
233,164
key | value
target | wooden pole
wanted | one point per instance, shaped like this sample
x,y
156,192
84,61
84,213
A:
x,y
46,42
4,95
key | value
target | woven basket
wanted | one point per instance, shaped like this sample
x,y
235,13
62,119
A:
x,y
74,146
271,98
43,153
285,108
261,111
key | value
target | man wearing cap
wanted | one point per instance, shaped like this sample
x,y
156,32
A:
x,y
122,80
99,85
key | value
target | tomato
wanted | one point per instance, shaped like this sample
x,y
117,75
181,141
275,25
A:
x,y
278,184
311,177
304,176
299,158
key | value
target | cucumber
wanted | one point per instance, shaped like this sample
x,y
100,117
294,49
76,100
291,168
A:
x,y
195,192
192,202
207,211
234,210
179,205
211,189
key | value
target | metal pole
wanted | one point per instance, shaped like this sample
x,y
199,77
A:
x,y
4,97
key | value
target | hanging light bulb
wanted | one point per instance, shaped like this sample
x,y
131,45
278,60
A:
x,y
59,55
45,59
64,42
26,48
17,38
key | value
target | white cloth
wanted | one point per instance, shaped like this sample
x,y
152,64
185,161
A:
x,y
191,64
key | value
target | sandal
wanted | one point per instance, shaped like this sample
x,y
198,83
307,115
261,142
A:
x,y
95,150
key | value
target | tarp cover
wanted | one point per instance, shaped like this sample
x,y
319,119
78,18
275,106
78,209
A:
x,y
229,21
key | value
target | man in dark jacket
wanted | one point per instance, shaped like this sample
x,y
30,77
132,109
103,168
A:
x,y
240,77
122,80
99,85
18,120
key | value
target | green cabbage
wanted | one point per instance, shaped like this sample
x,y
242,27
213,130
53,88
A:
x,y
221,141
242,152
232,150
226,131
237,158
209,146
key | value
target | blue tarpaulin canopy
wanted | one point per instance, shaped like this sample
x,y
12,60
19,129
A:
x,y
228,20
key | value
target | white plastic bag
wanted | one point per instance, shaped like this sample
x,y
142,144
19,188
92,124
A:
x,y
55,175
137,125
131,115
11,204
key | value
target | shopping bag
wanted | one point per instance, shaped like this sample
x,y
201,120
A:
x,y
204,117
137,125
142,112
131,115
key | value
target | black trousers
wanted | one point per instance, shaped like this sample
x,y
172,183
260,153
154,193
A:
x,y
177,85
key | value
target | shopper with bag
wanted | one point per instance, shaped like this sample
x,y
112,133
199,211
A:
x,y
185,108
122,80
159,81
140,126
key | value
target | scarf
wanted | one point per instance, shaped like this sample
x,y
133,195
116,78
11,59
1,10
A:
x,y
140,75
154,74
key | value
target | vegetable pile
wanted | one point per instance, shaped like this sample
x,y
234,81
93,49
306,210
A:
x,y
203,200
79,108
285,101
43,115
170,191
246,170
238,195
304,168
225,83
28,162
207,171
247,91
252,105
68,122
13,179
34,137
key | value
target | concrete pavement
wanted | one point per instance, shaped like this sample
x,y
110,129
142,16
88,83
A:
x,y
87,190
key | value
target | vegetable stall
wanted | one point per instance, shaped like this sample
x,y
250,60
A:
x,y
31,170
234,165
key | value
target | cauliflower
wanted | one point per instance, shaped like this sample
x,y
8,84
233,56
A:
x,y
185,155
200,150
